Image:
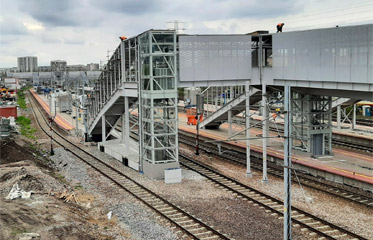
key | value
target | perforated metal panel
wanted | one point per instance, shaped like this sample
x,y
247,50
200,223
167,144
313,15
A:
x,y
343,55
214,58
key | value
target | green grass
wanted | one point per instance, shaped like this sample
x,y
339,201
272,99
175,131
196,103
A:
x,y
21,101
59,177
78,187
26,129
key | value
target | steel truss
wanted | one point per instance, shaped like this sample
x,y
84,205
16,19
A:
x,y
311,123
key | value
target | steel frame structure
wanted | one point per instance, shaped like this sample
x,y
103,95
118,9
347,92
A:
x,y
158,97
311,123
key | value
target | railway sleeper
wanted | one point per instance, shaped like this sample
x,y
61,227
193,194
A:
x,y
173,215
304,219
313,223
322,227
191,225
169,211
161,205
340,236
166,208
212,237
186,221
202,233
331,231
196,229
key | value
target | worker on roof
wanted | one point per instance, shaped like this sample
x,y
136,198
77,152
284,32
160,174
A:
x,y
279,27
122,38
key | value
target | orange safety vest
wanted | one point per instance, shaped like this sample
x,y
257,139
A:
x,y
280,24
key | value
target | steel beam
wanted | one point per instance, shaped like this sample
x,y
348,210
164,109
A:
x,y
247,132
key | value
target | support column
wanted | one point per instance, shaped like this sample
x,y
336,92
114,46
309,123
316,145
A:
x,y
229,123
287,166
76,118
354,117
247,132
127,126
103,128
123,129
339,109
264,132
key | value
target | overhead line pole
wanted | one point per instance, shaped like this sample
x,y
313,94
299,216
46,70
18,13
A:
x,y
287,166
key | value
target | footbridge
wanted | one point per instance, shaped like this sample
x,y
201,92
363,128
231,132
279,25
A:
x,y
325,68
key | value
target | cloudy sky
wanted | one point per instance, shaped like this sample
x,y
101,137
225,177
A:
x,y
81,31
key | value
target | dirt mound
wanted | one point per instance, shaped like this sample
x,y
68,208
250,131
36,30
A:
x,y
10,152
30,183
28,176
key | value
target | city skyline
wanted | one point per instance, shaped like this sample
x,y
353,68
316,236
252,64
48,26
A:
x,y
83,32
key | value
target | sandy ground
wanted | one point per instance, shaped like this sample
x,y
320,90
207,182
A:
x,y
45,215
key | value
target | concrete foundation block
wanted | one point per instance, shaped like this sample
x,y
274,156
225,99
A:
x,y
172,175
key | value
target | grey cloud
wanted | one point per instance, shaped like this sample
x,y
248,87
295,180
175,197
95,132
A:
x,y
11,26
61,13
131,7
50,39
209,10
74,42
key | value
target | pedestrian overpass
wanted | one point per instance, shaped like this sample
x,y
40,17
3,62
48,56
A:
x,y
324,68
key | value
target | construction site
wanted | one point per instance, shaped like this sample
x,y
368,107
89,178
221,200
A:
x,y
211,136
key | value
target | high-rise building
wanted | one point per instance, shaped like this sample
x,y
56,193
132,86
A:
x,y
93,67
58,65
58,68
27,64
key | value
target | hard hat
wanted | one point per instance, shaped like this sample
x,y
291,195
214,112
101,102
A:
x,y
122,38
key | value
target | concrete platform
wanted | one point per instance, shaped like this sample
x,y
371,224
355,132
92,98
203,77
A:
x,y
117,150
346,167
60,120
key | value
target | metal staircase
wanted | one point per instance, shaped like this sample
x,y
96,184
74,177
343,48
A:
x,y
236,105
106,104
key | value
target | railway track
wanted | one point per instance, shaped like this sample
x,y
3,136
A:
x,y
335,141
275,170
324,229
190,225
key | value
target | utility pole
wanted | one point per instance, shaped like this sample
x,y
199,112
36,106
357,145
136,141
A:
x,y
51,118
76,110
85,109
199,111
247,131
287,166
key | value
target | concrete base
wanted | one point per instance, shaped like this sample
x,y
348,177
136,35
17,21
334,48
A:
x,y
172,175
156,171
117,150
